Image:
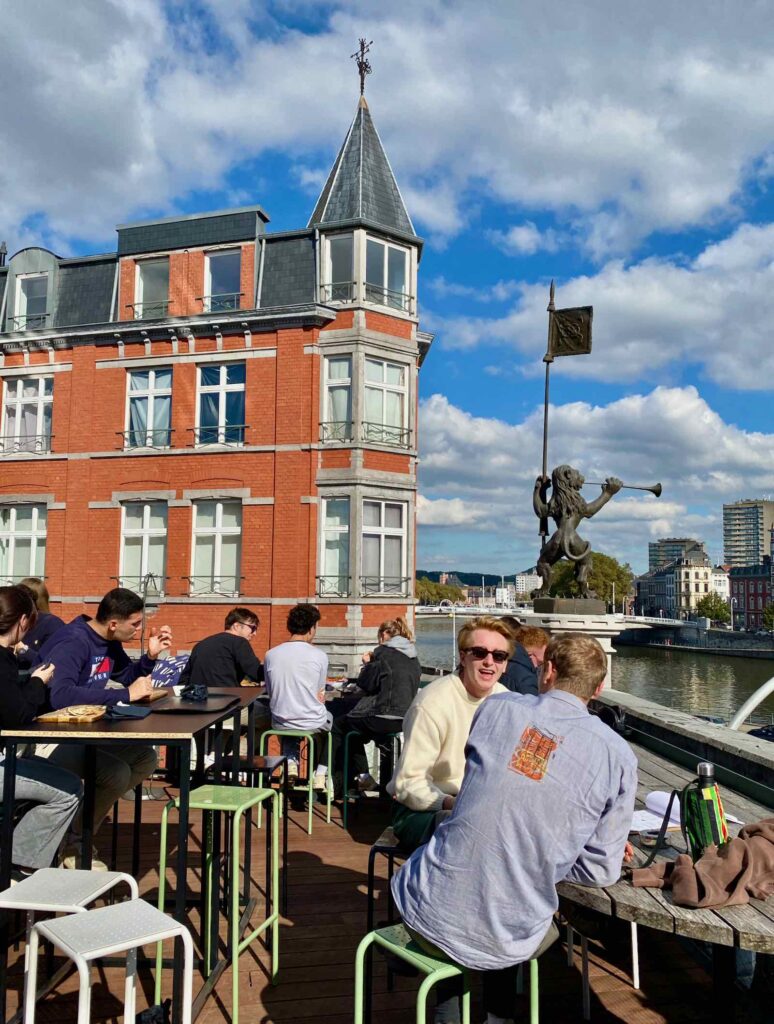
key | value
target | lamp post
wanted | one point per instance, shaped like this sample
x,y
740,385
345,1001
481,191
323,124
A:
x,y
732,602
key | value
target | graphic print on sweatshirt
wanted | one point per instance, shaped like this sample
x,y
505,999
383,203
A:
x,y
101,667
533,753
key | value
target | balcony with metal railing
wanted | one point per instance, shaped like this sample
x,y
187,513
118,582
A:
x,y
338,291
154,437
337,430
389,586
389,297
384,433
26,444
149,585
149,310
231,434
219,586
28,322
333,586
225,302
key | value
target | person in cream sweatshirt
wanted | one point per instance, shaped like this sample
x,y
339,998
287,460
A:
x,y
429,772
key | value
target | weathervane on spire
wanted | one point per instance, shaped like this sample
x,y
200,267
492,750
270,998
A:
x,y
363,64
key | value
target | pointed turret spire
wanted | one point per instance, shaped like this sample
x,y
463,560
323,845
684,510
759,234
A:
x,y
361,185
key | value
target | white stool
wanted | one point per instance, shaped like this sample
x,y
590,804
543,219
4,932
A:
x,y
56,891
122,928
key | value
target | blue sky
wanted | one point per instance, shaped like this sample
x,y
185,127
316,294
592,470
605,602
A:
x,y
626,151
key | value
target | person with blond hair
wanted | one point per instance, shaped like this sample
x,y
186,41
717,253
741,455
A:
x,y
521,675
389,679
547,796
429,773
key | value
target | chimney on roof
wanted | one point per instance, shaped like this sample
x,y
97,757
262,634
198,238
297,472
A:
x,y
3,253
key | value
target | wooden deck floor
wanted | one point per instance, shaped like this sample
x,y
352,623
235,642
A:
x,y
326,920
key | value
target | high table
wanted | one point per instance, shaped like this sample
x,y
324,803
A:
x,y
745,927
159,728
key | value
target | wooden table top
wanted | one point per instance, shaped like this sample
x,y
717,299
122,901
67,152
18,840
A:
x,y
157,727
748,927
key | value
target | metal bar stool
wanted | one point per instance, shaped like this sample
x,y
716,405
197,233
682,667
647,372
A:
x,y
378,741
309,781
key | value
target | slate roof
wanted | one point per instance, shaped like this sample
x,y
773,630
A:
x,y
361,185
85,292
238,225
288,271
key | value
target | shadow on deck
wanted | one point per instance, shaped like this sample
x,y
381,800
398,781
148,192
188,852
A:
x,y
326,920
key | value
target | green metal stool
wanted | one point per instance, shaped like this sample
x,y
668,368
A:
x,y
396,940
309,784
237,801
370,738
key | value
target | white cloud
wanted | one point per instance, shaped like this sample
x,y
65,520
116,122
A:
x,y
478,473
525,239
655,316
111,108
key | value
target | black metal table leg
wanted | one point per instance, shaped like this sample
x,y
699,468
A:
x,y
6,857
136,831
182,874
89,788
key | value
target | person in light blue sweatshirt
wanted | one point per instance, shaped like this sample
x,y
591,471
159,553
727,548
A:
x,y
92,667
547,795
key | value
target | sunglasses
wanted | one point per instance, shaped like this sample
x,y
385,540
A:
x,y
250,626
480,653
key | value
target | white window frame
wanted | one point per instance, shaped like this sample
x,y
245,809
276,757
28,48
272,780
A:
x,y
400,435
20,314
382,532
151,393
404,304
208,296
343,586
218,531
221,389
337,430
36,534
138,288
42,441
145,532
339,292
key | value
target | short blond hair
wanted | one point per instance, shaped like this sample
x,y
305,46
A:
x,y
489,622
580,663
531,637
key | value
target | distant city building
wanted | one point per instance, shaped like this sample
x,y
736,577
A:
x,y
719,583
674,590
747,531
525,582
662,552
752,589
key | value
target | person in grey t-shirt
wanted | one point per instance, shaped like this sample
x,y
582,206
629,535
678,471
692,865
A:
x,y
547,795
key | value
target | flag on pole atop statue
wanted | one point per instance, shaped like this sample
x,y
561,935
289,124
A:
x,y
570,331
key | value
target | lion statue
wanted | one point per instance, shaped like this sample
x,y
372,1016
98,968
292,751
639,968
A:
x,y
567,507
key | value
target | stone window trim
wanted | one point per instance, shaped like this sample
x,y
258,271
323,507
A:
x,y
49,500
155,362
189,496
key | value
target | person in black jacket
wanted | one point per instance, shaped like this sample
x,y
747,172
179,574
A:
x,y
521,673
226,658
57,792
389,679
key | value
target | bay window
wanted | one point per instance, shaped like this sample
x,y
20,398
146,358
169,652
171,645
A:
x,y
384,548
335,548
386,275
337,424
339,285
384,419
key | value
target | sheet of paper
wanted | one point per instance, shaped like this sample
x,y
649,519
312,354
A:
x,y
644,821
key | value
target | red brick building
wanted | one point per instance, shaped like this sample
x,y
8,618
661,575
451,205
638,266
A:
x,y
221,414
752,591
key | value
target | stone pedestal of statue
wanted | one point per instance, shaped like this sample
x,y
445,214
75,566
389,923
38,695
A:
x,y
570,605
578,615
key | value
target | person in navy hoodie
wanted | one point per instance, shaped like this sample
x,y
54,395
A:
x,y
46,624
92,667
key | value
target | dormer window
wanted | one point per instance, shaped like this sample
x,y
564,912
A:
x,y
31,302
386,275
152,289
222,281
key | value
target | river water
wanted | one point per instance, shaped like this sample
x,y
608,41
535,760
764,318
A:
x,y
704,684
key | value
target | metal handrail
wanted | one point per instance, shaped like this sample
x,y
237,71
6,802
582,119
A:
x,y
396,585
338,291
383,433
213,584
20,445
337,430
752,703
226,301
148,310
221,434
388,297
25,321
135,582
151,433
333,586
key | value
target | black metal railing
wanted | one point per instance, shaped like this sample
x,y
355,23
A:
x,y
336,430
228,586
154,437
333,586
384,433
223,303
394,586
149,310
388,297
32,444
230,434
29,321
338,291
156,586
